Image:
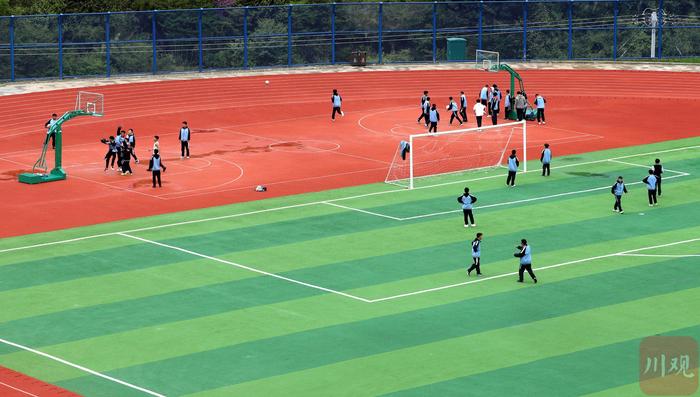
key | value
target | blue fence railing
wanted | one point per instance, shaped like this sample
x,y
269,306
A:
x,y
105,44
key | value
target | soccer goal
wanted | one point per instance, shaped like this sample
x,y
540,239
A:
x,y
425,156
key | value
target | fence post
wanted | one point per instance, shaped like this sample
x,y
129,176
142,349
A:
x,y
60,46
108,53
199,40
289,35
379,31
154,65
570,11
333,34
434,31
660,13
481,25
12,48
616,11
245,37
525,31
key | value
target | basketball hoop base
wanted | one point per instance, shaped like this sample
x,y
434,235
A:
x,y
57,174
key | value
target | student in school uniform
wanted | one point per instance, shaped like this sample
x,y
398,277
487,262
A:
x,y
513,164
507,103
479,110
618,189
434,118
426,111
484,95
119,138
520,105
112,150
546,159
131,138
489,96
155,166
476,255
184,137
423,113
539,103
337,101
126,158
658,170
463,106
467,202
50,134
650,181
495,108
452,107
525,255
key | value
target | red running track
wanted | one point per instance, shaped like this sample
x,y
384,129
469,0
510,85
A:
x,y
15,384
247,133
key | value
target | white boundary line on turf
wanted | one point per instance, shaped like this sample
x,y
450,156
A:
x,y
251,269
662,255
646,166
621,253
363,211
81,368
316,203
19,390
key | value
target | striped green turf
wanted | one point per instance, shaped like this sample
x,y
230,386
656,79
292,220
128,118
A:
x,y
180,324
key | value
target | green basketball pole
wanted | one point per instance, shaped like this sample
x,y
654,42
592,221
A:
x,y
512,114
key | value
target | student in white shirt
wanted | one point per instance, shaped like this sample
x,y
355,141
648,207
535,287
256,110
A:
x,y
479,109
336,100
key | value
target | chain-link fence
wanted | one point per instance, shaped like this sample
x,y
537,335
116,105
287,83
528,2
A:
x,y
103,44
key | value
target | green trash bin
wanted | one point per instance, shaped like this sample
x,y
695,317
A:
x,y
456,49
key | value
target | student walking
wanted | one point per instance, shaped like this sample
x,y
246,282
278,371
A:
x,y
546,159
467,201
184,138
525,256
650,181
131,138
155,166
423,112
426,112
658,170
539,103
337,101
476,255
513,164
49,133
463,106
111,151
479,110
434,117
617,190
452,106
495,107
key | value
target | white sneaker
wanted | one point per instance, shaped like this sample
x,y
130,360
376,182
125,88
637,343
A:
x,y
188,156
182,157
466,225
544,122
650,205
622,212
137,161
342,114
616,211
473,224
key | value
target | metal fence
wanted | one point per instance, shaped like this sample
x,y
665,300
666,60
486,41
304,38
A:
x,y
105,44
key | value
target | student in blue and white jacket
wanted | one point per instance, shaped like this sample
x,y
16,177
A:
x,y
467,201
184,138
434,117
476,255
617,190
546,159
539,103
513,164
337,101
452,107
650,181
155,166
525,256
463,103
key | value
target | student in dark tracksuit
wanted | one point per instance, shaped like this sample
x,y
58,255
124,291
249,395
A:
x,y
658,170
650,181
546,159
434,117
423,113
467,202
184,138
131,138
513,164
111,151
155,166
337,102
525,256
463,106
476,255
126,158
49,134
617,190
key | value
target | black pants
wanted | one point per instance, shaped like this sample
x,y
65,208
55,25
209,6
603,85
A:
x,y
184,147
110,156
156,176
618,203
468,217
511,178
433,126
658,185
455,115
545,169
488,107
463,113
133,153
336,110
126,166
478,121
540,114
423,116
494,116
652,196
522,270
521,114
507,111
484,102
53,139
476,265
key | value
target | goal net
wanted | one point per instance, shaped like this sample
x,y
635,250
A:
x,y
488,60
425,157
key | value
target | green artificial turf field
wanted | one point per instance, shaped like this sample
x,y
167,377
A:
x,y
363,291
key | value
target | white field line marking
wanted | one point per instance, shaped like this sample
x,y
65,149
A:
x,y
621,253
251,269
663,255
19,390
364,212
81,368
309,204
647,167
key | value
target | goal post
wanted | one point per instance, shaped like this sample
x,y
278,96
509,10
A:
x,y
436,155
